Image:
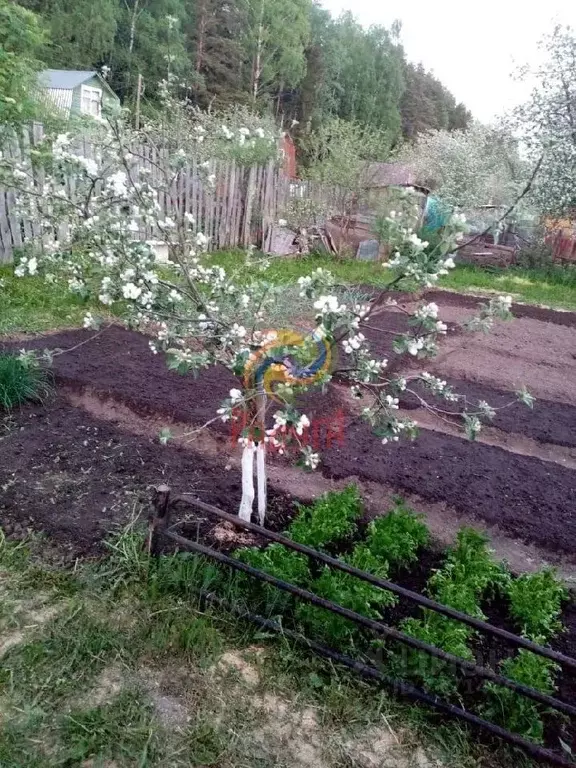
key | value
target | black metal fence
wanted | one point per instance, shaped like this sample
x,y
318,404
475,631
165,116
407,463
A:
x,y
161,528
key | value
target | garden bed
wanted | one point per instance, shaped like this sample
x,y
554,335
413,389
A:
x,y
78,478
546,422
395,546
530,499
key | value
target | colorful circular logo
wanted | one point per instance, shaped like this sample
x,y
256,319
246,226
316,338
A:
x,y
288,357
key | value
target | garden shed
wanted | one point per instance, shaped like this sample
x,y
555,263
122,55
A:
x,y
381,183
76,91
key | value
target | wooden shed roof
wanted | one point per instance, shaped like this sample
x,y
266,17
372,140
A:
x,y
392,175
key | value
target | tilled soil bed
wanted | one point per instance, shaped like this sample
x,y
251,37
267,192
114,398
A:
x,y
533,500
546,421
78,478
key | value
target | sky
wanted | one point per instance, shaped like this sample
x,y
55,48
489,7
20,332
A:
x,y
472,48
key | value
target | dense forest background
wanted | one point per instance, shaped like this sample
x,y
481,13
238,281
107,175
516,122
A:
x,y
288,56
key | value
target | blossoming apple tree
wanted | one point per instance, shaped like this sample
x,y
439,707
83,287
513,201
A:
x,y
196,313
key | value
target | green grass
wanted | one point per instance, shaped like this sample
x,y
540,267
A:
x,y
30,305
123,729
21,381
553,286
284,269
171,706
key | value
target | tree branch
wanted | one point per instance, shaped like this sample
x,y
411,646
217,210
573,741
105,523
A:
x,y
507,213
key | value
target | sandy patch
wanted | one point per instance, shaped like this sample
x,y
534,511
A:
x,y
33,619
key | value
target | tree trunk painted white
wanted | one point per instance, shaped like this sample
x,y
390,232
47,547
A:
x,y
261,402
245,511
261,478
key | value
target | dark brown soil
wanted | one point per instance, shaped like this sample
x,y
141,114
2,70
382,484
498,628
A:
x,y
78,478
533,500
118,363
557,317
547,422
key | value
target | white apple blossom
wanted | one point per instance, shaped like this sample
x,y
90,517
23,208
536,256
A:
x,y
311,459
302,424
90,321
426,311
353,343
196,312
131,291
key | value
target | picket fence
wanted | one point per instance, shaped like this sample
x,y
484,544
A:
x,y
240,209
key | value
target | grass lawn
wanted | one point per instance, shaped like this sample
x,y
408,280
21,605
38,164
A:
x,y
554,286
114,663
30,305
288,270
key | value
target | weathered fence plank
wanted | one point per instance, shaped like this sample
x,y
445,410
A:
x,y
238,211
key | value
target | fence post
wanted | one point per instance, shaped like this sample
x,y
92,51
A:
x,y
159,519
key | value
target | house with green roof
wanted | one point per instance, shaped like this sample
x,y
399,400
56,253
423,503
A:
x,y
77,92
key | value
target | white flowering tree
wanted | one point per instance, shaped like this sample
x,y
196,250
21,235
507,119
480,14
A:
x,y
547,123
199,315
466,169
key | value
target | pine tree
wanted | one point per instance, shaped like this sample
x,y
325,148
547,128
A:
x,y
215,32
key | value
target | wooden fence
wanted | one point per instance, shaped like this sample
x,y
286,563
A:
x,y
238,210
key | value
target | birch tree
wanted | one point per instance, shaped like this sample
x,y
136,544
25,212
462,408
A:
x,y
547,123
276,40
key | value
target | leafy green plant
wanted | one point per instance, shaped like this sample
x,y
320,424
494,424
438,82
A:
x,y
330,520
469,565
516,712
350,592
468,573
536,603
398,536
21,380
435,675
278,561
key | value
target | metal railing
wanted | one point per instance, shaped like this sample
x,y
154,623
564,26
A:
x,y
160,528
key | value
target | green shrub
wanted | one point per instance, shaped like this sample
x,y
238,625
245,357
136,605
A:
x,y
330,520
536,603
21,380
514,711
350,592
398,536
